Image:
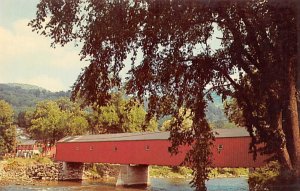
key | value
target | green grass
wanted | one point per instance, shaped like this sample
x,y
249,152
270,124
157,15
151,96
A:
x,y
28,161
168,172
184,172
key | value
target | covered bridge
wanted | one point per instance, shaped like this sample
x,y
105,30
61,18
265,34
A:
x,y
230,149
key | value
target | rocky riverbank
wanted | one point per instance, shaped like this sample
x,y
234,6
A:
x,y
20,171
26,171
30,171
13,173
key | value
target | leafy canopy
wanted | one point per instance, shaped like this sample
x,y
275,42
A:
x,y
7,128
179,68
120,115
53,120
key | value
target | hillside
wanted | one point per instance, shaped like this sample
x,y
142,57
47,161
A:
x,y
22,96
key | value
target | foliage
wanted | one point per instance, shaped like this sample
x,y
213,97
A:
x,y
42,160
261,178
228,172
24,96
7,128
179,67
53,120
24,118
120,115
215,117
169,172
272,176
234,113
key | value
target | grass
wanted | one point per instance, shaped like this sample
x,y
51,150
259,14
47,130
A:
x,y
14,162
184,172
168,172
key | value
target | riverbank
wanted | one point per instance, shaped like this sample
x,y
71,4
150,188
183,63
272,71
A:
x,y
23,171
186,173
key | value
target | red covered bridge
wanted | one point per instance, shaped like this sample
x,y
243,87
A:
x,y
230,149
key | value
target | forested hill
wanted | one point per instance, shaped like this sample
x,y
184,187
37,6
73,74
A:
x,y
22,96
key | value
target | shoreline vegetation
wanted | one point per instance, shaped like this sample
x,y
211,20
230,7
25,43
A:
x,y
19,171
41,171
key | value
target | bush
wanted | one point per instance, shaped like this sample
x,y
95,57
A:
x,y
262,178
42,160
228,172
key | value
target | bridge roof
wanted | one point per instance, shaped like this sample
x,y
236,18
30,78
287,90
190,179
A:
x,y
219,133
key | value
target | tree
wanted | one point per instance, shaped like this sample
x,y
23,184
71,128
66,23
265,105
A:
x,y
24,118
120,115
53,120
179,67
7,128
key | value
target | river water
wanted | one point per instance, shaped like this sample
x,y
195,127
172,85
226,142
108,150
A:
x,y
157,184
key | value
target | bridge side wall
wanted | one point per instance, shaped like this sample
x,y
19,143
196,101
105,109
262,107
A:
x,y
227,152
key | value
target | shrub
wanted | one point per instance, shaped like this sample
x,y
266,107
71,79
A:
x,y
262,178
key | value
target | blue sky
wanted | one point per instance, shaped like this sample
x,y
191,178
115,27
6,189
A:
x,y
26,57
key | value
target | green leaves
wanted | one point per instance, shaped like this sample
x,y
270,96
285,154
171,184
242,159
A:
x,y
120,115
178,62
53,120
7,128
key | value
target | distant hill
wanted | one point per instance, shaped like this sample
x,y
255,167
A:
x,y
25,86
22,96
214,114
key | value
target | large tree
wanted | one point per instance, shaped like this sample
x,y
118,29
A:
x,y
179,68
7,128
53,120
120,115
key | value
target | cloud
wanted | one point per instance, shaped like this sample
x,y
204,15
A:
x,y
28,56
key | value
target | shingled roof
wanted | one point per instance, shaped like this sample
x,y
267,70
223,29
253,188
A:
x,y
219,133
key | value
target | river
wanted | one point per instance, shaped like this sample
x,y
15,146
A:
x,y
157,184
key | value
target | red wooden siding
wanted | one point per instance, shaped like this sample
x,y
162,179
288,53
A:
x,y
235,153
154,152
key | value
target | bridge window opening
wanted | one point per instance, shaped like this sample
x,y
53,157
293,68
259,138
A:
x,y
220,148
115,148
91,148
147,148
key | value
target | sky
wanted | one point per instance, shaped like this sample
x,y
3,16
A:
x,y
26,57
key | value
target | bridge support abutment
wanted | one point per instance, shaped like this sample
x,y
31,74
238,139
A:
x,y
133,175
71,171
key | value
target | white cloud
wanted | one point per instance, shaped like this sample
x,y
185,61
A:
x,y
27,55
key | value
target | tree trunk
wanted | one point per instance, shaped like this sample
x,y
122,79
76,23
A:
x,y
298,76
292,127
284,154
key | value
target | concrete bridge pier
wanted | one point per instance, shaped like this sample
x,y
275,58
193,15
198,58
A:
x,y
71,171
133,175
